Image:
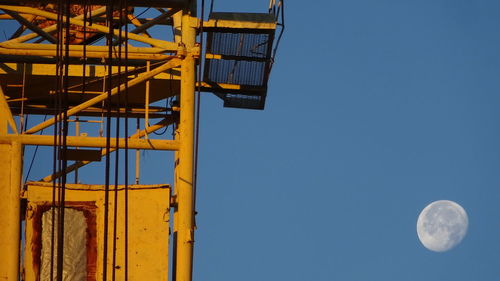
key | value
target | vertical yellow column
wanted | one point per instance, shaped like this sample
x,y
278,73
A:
x,y
10,187
184,169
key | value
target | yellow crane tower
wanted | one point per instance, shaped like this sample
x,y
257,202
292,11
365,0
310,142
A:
x,y
108,63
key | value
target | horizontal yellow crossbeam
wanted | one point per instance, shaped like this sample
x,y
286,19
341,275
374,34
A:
x,y
99,142
80,54
76,71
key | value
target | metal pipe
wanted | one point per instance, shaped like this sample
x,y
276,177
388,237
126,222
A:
x,y
79,54
77,133
6,112
29,46
185,207
146,97
143,77
99,142
137,156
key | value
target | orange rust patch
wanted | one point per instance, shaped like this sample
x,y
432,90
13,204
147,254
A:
x,y
89,212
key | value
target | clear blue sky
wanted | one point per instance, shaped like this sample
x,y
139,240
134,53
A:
x,y
375,109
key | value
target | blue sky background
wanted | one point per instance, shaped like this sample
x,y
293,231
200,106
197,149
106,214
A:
x,y
375,109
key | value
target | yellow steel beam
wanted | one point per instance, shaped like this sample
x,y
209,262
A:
x,y
10,221
141,78
45,140
137,23
97,71
101,28
242,21
7,17
80,48
80,54
184,169
104,152
5,111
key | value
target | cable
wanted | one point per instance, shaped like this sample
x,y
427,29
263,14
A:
x,y
126,148
117,152
140,14
109,41
281,8
212,6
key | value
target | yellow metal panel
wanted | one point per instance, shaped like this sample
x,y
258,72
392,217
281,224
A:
x,y
184,169
148,226
10,179
241,20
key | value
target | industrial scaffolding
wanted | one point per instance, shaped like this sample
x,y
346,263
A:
x,y
111,64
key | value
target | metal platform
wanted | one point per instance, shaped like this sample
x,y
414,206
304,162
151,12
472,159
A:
x,y
238,54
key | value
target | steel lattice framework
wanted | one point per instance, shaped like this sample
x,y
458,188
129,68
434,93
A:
x,y
147,69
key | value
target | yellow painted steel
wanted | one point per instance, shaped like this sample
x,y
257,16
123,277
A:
x,y
6,113
104,152
184,169
73,141
52,28
52,47
10,221
243,23
79,54
100,28
141,78
150,205
93,71
148,231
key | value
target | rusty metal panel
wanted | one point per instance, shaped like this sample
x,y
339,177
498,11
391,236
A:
x,y
148,225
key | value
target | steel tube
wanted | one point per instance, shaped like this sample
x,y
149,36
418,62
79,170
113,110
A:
x,y
98,142
184,172
79,54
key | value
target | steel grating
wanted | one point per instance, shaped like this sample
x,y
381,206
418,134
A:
x,y
239,56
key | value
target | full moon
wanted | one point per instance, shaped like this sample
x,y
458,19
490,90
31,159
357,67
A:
x,y
442,225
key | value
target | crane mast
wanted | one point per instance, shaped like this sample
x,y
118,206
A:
x,y
97,78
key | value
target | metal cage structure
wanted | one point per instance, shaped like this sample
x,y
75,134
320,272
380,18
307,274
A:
x,y
238,57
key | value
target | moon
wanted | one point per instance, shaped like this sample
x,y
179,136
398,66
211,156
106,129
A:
x,y
442,225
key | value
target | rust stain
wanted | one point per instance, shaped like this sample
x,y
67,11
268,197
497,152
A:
x,y
89,212
76,32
